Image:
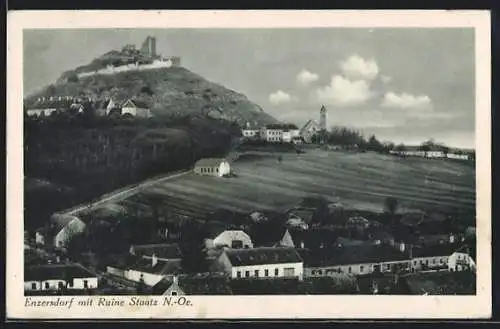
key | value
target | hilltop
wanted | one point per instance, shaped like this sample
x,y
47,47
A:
x,y
172,91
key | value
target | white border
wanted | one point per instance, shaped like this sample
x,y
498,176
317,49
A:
x,y
253,307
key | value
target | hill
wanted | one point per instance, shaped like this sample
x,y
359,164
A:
x,y
167,91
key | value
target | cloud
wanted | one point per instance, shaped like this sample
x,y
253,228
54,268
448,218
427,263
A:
x,y
306,77
385,79
342,91
280,97
356,67
406,101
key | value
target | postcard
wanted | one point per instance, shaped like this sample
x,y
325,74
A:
x,y
248,165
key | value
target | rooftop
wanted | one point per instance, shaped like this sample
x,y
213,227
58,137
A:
x,y
137,103
264,255
56,271
289,126
162,250
209,162
434,250
352,254
161,267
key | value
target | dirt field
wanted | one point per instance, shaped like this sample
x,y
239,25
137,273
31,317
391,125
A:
x,y
358,180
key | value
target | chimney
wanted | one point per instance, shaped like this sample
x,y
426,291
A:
x,y
154,260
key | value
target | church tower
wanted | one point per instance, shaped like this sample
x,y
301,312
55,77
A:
x,y
322,118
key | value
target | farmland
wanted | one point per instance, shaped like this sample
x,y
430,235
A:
x,y
357,180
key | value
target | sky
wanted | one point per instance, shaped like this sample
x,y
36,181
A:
x,y
401,84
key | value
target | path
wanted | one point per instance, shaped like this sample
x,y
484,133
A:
x,y
121,194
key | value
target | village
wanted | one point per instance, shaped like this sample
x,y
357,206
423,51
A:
x,y
314,247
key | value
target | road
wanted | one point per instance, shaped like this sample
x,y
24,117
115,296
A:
x,y
127,192
121,194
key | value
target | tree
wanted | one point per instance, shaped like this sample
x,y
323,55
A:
x,y
73,77
391,205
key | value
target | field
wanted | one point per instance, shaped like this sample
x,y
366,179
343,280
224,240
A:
x,y
357,180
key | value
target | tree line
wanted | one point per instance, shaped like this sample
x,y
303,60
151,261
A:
x,y
91,156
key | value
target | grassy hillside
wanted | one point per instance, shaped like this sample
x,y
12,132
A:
x,y
357,180
168,91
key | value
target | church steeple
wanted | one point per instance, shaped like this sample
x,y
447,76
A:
x,y
322,118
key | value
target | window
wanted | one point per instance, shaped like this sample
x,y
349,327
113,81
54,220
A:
x,y
361,268
441,261
266,272
33,285
276,272
289,271
59,285
47,285
247,274
238,274
85,284
434,261
349,269
174,293
256,273
421,262
426,262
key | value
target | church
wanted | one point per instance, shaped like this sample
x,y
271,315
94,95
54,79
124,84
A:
x,y
313,127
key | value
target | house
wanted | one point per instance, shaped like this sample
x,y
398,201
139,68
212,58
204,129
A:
x,y
153,270
103,108
198,284
310,129
45,106
212,167
40,236
431,257
56,277
235,239
162,251
136,108
250,131
354,259
279,132
265,263
358,222
64,228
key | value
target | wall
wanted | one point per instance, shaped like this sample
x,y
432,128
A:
x,y
78,283
355,268
298,269
149,279
157,64
115,271
460,261
418,263
38,112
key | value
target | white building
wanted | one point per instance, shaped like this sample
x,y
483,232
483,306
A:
x,y
265,263
236,239
136,108
354,259
56,277
212,167
441,256
310,129
65,228
151,271
250,133
277,133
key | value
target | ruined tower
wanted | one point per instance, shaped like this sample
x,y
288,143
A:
x,y
148,47
322,118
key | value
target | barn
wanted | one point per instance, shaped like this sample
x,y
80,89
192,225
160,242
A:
x,y
212,167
